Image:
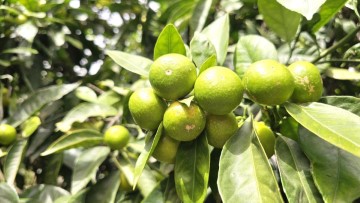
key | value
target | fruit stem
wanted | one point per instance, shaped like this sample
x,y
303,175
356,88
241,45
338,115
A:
x,y
292,48
338,44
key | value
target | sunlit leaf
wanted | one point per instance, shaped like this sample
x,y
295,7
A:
x,y
13,160
169,41
43,193
349,103
8,194
342,74
86,94
307,8
200,15
201,49
30,126
104,190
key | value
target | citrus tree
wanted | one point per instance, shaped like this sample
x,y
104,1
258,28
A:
x,y
206,101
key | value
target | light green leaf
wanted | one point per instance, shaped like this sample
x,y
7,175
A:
x,y
244,170
43,193
192,167
201,49
169,41
8,194
145,155
82,112
218,34
252,48
209,62
329,123
86,94
38,100
13,160
21,50
335,171
110,97
133,63
78,138
349,103
76,43
282,21
105,190
307,8
295,172
200,15
86,166
76,198
27,31
147,181
30,126
342,74
164,192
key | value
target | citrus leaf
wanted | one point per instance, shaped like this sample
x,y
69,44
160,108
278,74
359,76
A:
x,y
329,123
76,198
209,62
335,171
201,49
78,138
86,166
187,101
163,192
104,190
327,12
38,100
13,160
349,103
200,15
342,74
244,170
295,172
50,172
282,21
43,193
86,94
147,181
82,112
30,126
307,8
21,50
218,34
252,48
169,41
145,155
133,63
8,194
192,167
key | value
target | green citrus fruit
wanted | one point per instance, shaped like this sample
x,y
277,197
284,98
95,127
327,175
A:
x,y
146,108
172,76
219,128
268,82
7,134
182,122
266,137
218,90
308,82
166,149
117,137
124,183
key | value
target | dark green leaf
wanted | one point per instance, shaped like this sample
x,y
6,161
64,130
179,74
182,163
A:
x,y
335,171
163,192
105,190
244,170
200,15
329,123
133,63
349,103
82,112
295,172
43,193
145,155
13,160
209,62
86,166
282,21
252,48
218,34
20,50
201,49
192,167
76,198
51,170
289,128
78,138
8,194
306,8
37,100
169,41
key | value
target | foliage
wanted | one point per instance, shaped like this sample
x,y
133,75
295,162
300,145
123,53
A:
x,y
67,70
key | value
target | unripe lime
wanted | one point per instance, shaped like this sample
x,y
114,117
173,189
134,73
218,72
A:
x,y
266,137
7,134
146,108
182,122
219,128
218,90
172,76
117,137
166,149
308,82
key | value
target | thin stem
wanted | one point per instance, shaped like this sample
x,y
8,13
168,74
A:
x,y
335,46
293,47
